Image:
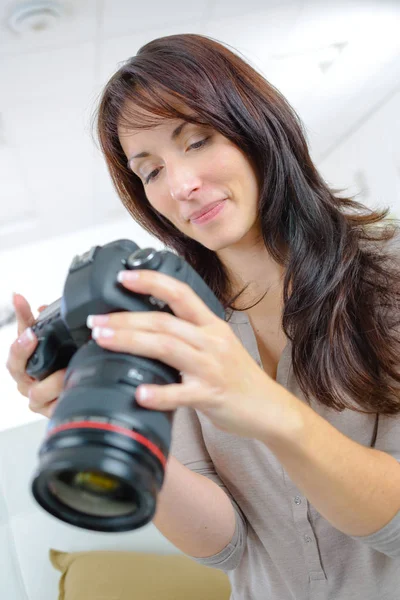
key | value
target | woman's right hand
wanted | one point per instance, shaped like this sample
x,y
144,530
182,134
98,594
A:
x,y
42,395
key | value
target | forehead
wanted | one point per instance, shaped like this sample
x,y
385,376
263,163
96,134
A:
x,y
147,112
139,131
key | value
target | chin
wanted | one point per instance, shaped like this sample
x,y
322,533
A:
x,y
218,242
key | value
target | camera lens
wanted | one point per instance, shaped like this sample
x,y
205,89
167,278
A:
x,y
102,463
94,493
97,480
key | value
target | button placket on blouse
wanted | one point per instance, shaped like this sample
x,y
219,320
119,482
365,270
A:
x,y
305,531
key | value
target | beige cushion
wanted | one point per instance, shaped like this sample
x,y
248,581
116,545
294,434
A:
x,y
104,575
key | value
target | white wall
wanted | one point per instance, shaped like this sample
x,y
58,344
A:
x,y
368,160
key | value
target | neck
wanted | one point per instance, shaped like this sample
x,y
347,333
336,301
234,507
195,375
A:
x,y
255,268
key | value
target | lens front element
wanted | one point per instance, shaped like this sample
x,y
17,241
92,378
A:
x,y
93,493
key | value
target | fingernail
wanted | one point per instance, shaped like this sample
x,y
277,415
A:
x,y
144,395
127,276
96,320
27,337
102,332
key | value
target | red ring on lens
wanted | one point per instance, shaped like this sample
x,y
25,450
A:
x,y
116,429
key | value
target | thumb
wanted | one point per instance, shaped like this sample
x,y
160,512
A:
x,y
23,313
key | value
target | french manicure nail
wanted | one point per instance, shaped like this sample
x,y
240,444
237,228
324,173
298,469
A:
x,y
127,276
96,320
105,332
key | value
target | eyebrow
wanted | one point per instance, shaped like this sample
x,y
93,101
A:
x,y
175,134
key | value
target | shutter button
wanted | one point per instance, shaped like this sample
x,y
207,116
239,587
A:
x,y
144,258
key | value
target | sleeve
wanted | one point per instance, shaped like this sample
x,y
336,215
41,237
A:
x,y
387,539
388,435
189,448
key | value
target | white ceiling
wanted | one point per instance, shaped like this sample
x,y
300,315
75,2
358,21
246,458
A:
x,y
334,61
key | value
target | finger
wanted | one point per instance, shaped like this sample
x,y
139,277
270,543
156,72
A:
x,y
172,396
47,409
23,313
169,350
156,322
42,307
19,353
179,296
164,397
43,393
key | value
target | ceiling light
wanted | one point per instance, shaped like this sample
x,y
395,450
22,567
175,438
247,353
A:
x,y
35,16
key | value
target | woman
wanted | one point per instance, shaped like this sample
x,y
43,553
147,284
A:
x,y
284,465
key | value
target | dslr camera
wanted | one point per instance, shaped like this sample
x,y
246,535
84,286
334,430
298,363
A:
x,y
102,462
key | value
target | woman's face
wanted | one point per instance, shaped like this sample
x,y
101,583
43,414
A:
x,y
184,169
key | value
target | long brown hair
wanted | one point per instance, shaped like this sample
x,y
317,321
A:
x,y
342,284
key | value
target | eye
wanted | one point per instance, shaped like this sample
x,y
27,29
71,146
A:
x,y
193,146
151,176
199,144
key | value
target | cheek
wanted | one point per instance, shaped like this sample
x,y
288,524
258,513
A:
x,y
159,200
224,164
163,203
231,167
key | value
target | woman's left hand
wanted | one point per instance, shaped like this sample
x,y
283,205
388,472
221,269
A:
x,y
219,377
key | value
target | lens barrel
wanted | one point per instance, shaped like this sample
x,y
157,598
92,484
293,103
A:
x,y
99,476
102,463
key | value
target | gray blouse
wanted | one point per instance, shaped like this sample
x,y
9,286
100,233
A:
x,y
282,548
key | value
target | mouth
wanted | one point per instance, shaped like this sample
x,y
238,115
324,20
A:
x,y
208,212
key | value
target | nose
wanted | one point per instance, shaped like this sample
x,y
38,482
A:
x,y
182,181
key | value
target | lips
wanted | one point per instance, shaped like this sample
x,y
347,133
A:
x,y
205,209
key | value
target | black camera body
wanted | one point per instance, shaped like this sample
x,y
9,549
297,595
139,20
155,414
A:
x,y
103,460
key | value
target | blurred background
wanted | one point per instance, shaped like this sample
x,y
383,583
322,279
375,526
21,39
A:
x,y
338,64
